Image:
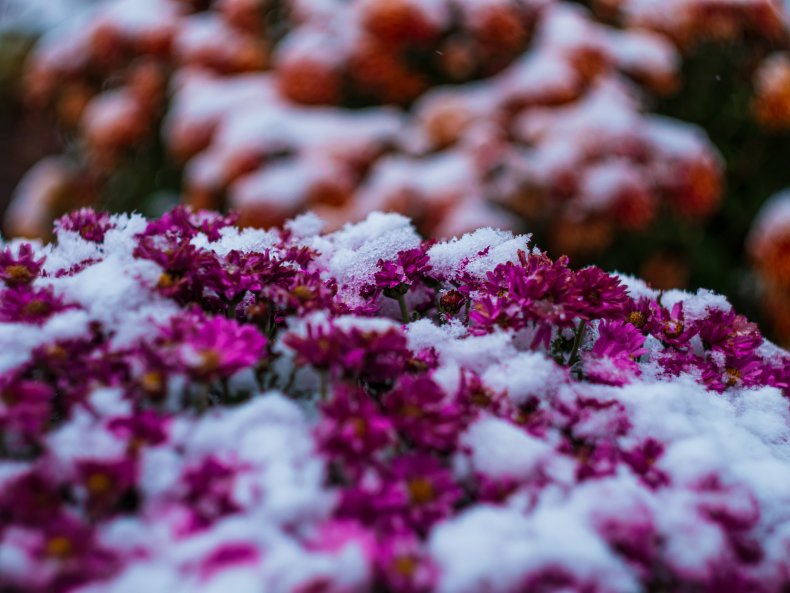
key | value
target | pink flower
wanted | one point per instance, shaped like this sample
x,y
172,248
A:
x,y
411,266
91,225
71,548
642,460
143,428
33,498
613,358
189,274
25,304
735,371
105,483
377,357
403,565
424,414
414,491
25,410
207,490
182,222
214,347
729,332
599,295
670,326
20,269
352,428
642,314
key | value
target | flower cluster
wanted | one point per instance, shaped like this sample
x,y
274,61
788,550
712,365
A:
x,y
690,22
187,405
769,248
757,28
771,103
272,108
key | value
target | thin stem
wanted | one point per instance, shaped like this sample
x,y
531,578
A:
x,y
324,384
577,342
232,306
290,383
404,308
202,400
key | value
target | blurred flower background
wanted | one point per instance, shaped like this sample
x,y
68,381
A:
x,y
647,136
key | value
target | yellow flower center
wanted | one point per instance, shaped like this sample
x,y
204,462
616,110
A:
x,y
303,293
36,307
411,411
152,381
59,546
18,274
56,351
360,427
733,376
166,281
209,360
98,483
636,319
421,491
404,565
673,328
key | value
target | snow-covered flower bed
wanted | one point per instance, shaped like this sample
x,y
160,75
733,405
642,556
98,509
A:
x,y
189,406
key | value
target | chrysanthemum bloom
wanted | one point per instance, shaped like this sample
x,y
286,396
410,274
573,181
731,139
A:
x,y
403,564
424,414
20,268
215,347
25,410
207,491
413,492
439,454
378,356
353,427
103,484
143,428
29,305
91,225
411,266
613,357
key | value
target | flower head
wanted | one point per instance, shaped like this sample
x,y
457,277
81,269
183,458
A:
x,y
213,347
19,269
402,564
424,414
411,266
613,358
25,304
414,491
376,356
352,427
89,224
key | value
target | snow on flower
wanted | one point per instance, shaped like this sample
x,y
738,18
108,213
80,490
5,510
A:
x,y
187,406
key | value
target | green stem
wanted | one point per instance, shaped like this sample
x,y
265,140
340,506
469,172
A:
x,y
324,384
232,306
290,382
202,400
404,309
577,342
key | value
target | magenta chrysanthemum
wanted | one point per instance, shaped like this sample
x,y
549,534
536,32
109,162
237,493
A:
x,y
189,405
